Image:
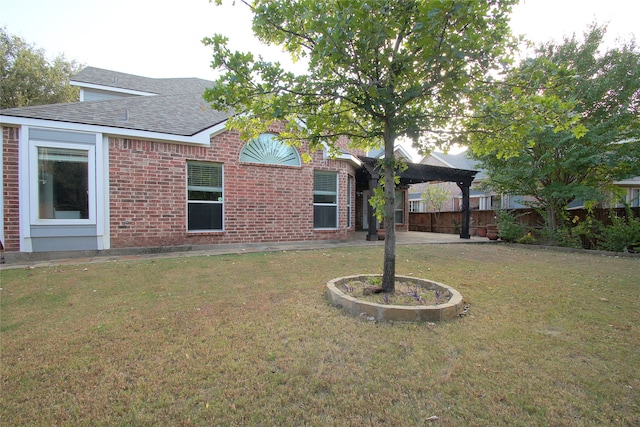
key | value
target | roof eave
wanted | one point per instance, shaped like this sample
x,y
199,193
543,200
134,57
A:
x,y
109,88
201,138
343,156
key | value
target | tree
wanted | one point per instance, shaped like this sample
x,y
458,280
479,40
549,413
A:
x,y
435,196
577,113
27,77
377,70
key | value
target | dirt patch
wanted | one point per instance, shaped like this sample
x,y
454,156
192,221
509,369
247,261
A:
x,y
407,292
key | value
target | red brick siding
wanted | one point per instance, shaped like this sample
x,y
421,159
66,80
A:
x,y
10,178
261,203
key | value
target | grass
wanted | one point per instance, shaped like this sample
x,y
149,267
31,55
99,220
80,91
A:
x,y
551,339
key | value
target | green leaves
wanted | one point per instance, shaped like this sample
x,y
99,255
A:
x,y
564,124
369,63
377,70
27,77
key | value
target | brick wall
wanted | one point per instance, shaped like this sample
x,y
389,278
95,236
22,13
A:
x,y
262,203
10,137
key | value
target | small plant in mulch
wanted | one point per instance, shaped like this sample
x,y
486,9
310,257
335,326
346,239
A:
x,y
407,292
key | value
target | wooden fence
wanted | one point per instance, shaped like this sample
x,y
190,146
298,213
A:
x,y
449,222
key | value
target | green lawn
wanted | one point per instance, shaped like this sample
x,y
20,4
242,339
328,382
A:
x,y
551,338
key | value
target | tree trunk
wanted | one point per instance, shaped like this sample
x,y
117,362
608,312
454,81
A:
x,y
389,269
552,218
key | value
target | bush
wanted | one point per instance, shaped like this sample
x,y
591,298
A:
x,y
623,235
587,232
527,239
509,229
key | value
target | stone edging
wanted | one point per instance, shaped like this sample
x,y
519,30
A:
x,y
385,312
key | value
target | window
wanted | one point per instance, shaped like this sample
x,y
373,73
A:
x,y
416,206
399,211
63,183
349,200
496,202
204,196
634,197
266,149
325,199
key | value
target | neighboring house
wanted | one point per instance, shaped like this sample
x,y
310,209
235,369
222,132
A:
x,y
483,200
142,162
478,198
632,189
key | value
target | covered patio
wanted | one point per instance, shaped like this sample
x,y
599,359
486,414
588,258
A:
x,y
368,176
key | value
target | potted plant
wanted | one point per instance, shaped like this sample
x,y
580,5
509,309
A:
x,y
482,230
492,231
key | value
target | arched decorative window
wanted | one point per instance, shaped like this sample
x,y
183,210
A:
x,y
266,149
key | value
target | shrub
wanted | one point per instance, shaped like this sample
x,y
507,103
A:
x,y
509,229
527,239
587,232
623,235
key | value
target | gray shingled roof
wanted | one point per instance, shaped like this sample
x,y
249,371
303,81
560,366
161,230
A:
x,y
178,109
463,161
114,79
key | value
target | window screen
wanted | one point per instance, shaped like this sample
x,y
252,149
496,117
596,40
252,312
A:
x,y
325,199
205,201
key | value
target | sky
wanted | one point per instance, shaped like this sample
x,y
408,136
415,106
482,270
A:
x,y
162,38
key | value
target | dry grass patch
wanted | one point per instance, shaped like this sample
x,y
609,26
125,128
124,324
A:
x,y
551,338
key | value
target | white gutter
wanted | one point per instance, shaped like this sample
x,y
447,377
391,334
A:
x,y
201,138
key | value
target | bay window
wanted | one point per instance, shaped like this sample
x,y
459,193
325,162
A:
x,y
63,183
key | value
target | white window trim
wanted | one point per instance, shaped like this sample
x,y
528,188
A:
x,y
335,205
25,195
186,186
33,179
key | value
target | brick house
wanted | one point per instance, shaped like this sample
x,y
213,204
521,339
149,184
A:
x,y
479,199
146,163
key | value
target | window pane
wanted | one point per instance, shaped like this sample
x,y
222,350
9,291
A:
x,y
211,196
63,183
205,216
399,217
399,208
205,175
267,150
324,217
399,200
325,182
324,198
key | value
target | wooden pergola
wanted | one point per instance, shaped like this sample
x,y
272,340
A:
x,y
368,176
